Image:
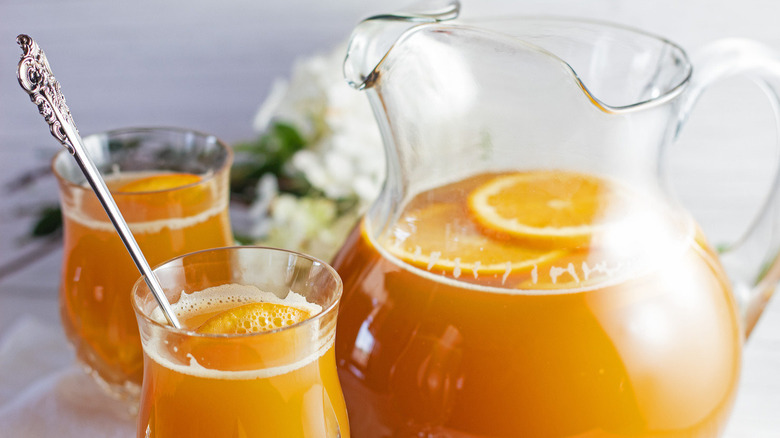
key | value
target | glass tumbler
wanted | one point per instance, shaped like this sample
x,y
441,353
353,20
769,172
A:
x,y
280,382
172,188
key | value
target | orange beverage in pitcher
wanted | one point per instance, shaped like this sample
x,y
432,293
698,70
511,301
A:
x,y
535,304
169,211
247,362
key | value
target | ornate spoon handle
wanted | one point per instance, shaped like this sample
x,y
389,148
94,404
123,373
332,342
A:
x,y
37,79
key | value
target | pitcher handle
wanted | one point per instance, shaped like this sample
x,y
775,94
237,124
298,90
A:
x,y
752,261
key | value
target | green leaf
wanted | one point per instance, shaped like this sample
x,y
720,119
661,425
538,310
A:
x,y
49,222
766,268
345,205
722,247
273,149
270,153
243,239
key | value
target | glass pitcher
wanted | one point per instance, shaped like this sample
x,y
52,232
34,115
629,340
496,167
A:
x,y
524,271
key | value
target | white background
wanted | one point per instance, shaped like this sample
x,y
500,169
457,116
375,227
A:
x,y
209,65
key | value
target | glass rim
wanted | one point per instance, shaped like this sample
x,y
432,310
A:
x,y
192,333
171,129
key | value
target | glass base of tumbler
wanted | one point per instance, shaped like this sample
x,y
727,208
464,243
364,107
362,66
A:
x,y
129,393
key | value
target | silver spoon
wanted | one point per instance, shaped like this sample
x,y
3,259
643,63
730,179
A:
x,y
37,79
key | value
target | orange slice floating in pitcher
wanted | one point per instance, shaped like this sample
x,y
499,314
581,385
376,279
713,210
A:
x,y
163,181
547,208
441,239
253,318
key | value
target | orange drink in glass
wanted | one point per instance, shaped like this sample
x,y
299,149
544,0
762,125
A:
x,y
172,188
255,357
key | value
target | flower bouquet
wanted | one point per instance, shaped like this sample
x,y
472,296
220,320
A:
x,y
316,165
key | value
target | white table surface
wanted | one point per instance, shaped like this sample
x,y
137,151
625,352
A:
x,y
208,65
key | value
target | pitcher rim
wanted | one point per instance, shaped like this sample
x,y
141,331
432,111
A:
x,y
471,23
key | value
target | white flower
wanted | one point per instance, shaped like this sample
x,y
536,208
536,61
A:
x,y
344,155
308,225
343,158
267,190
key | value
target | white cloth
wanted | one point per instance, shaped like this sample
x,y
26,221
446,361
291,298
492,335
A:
x,y
45,393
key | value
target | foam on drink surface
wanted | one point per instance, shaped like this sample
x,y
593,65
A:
x,y
194,308
217,299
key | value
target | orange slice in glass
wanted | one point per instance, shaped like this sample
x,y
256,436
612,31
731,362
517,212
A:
x,y
163,181
253,318
442,239
547,208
